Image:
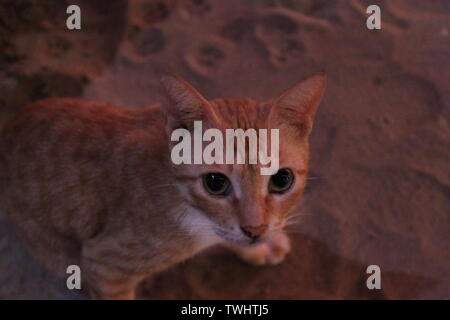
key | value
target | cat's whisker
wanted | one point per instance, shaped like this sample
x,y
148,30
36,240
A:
x,y
292,225
295,218
163,186
313,178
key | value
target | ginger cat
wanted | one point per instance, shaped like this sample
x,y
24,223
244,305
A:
x,y
91,184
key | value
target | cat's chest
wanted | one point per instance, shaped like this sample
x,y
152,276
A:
x,y
199,229
195,236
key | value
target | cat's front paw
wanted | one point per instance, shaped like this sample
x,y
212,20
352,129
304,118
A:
x,y
271,252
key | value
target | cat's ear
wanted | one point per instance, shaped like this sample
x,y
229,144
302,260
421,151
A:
x,y
184,104
295,108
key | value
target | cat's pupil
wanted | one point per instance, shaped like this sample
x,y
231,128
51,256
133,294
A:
x,y
216,183
281,181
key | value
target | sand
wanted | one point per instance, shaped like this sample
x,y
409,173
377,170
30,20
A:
x,y
380,185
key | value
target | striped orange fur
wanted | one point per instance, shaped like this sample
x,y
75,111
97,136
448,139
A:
x,y
89,183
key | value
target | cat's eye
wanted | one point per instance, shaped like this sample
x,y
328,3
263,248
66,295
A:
x,y
217,184
281,181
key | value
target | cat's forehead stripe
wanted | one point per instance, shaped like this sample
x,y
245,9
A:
x,y
241,113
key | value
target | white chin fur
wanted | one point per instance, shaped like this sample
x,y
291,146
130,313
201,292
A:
x,y
200,228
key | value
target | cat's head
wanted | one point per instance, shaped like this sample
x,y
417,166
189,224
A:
x,y
238,202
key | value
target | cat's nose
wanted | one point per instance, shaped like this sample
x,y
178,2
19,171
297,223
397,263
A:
x,y
254,232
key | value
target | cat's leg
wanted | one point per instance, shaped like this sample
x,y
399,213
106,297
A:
x,y
107,291
271,252
104,279
107,283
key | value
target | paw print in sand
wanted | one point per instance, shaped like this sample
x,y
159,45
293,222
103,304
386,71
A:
x,y
206,58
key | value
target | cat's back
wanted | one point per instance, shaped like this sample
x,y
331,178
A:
x,y
70,115
67,122
61,156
